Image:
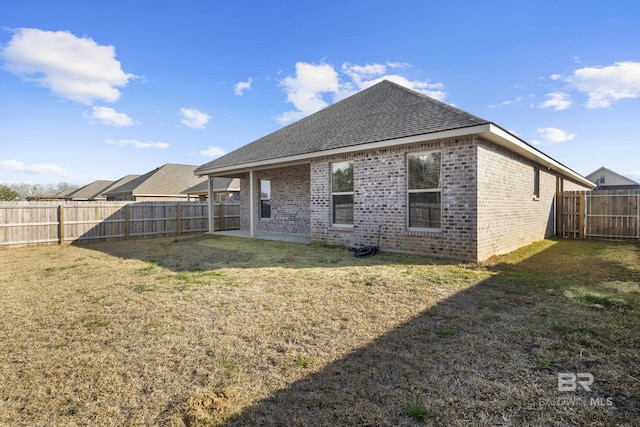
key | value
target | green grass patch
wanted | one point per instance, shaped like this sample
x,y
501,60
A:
x,y
143,287
419,411
603,300
446,332
303,362
64,267
545,362
94,325
146,270
73,410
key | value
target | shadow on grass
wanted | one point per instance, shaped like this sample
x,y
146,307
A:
x,y
210,252
491,354
488,355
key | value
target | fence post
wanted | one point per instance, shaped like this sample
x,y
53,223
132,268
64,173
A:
x,y
558,225
638,214
60,224
221,220
126,221
582,211
178,228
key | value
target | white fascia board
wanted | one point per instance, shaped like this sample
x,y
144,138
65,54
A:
x,y
509,141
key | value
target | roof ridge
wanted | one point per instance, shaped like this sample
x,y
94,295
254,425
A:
x,y
381,112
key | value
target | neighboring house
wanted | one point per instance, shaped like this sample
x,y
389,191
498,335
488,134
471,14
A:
x,y
167,182
49,196
224,190
92,191
606,179
437,180
65,194
117,183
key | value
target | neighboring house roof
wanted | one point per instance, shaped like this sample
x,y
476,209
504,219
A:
x,y
220,184
65,194
167,180
91,191
612,179
116,184
383,115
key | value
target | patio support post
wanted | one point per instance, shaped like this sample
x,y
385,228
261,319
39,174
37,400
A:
x,y
252,203
212,212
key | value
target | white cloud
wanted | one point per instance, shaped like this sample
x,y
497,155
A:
x,y
305,90
36,169
557,100
137,144
555,76
193,118
240,87
110,117
75,68
554,135
213,152
607,85
312,83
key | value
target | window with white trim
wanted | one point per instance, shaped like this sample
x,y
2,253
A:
x,y
424,190
265,199
342,193
536,183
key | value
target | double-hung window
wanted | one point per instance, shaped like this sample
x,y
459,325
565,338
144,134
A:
x,y
342,193
424,190
265,199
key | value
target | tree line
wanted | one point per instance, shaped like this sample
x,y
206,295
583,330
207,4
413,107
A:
x,y
23,190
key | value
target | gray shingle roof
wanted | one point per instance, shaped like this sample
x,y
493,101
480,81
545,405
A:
x,y
219,184
91,191
169,179
382,112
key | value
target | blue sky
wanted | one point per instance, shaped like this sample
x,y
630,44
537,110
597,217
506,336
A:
x,y
101,90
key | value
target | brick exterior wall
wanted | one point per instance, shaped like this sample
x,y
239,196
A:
x,y
509,216
486,192
380,198
290,203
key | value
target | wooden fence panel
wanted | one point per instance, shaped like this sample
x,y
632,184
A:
x,y
94,221
571,214
599,214
612,215
23,223
37,224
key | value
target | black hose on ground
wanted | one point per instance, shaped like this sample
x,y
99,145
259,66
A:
x,y
367,251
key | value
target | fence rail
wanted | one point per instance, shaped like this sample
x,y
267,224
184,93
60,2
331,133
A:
x,y
612,214
26,223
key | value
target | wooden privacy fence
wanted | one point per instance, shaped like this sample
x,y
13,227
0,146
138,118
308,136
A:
x,y
24,223
612,214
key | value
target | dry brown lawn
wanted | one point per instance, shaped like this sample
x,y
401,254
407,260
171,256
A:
x,y
213,330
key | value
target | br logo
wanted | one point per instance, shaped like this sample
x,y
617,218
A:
x,y
569,381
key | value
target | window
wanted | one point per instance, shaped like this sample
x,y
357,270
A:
x,y
265,199
536,182
342,193
423,188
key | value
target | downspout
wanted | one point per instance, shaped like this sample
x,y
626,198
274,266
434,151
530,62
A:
x,y
212,219
252,202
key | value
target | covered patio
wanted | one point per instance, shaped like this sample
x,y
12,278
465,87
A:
x,y
265,235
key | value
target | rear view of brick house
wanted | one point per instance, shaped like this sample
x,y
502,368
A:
x,y
440,181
